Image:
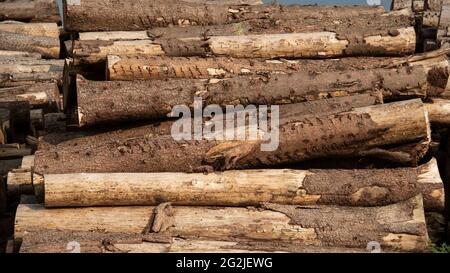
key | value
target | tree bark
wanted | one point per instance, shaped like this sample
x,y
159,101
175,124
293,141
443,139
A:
x,y
6,55
30,11
32,29
14,73
248,188
286,45
40,95
226,2
353,133
147,100
398,227
48,47
107,15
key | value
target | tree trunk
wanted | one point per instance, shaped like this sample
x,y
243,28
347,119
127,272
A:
x,y
248,188
147,100
30,11
107,15
398,227
6,55
287,45
14,73
48,47
40,95
32,29
353,133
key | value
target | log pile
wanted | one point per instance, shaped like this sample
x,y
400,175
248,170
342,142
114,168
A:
x,y
99,146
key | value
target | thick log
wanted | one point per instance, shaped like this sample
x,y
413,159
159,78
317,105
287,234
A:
x,y
285,45
107,15
439,112
32,29
139,67
147,100
248,188
30,11
40,95
18,182
399,227
6,54
48,47
14,73
360,131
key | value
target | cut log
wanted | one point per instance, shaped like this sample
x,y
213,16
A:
x,y
32,29
40,95
48,47
18,182
439,112
287,45
248,188
148,100
300,138
107,15
15,73
399,227
30,11
5,54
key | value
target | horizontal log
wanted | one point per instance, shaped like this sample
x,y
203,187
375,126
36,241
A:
x,y
149,100
5,54
15,73
91,242
48,47
439,111
30,11
11,152
399,227
18,182
105,15
301,138
40,95
248,188
285,45
32,29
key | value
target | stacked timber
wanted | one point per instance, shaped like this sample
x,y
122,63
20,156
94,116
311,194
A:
x,y
356,110
30,80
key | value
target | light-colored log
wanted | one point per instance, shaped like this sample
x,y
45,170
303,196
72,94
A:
x,y
32,29
18,182
5,54
431,19
307,45
14,73
48,47
398,227
114,35
439,111
248,188
401,4
226,2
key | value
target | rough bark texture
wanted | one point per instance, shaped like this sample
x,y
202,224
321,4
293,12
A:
x,y
15,73
108,15
249,188
398,227
361,131
40,95
48,47
30,11
333,105
102,102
